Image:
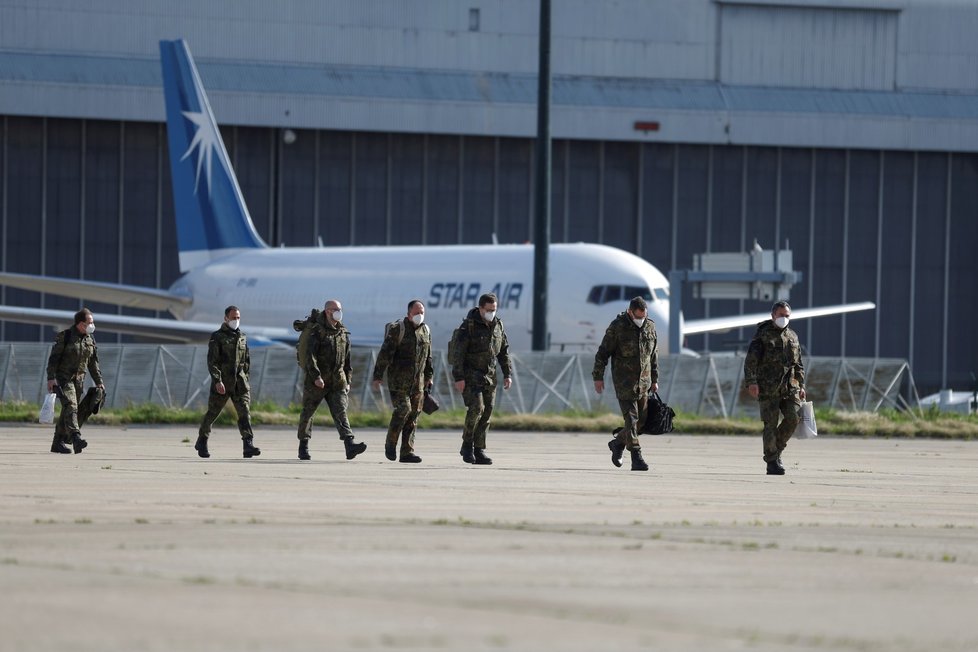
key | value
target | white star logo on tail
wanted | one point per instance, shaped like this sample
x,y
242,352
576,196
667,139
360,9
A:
x,y
205,141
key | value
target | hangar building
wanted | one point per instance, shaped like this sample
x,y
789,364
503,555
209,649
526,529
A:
x,y
845,128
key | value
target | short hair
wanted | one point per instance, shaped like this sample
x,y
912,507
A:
x,y
82,315
487,298
414,301
638,303
230,309
780,304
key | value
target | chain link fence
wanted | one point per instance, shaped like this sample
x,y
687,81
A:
x,y
176,376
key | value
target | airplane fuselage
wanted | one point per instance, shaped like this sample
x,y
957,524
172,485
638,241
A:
x,y
589,285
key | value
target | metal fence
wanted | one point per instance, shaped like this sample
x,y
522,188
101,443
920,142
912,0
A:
x,y
176,376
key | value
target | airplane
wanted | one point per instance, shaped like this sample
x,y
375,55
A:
x,y
224,261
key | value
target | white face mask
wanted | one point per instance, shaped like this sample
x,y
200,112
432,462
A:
x,y
90,328
234,323
489,316
639,322
418,319
338,315
781,322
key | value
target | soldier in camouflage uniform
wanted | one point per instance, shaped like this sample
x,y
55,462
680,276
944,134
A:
x,y
328,376
74,351
775,376
229,363
630,341
406,357
481,343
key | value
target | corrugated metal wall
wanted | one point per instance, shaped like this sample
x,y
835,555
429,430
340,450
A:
x,y
92,199
808,47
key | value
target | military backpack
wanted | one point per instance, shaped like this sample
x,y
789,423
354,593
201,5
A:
x,y
453,342
305,328
399,327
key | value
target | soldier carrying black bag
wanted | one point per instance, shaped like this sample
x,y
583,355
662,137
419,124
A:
x,y
631,344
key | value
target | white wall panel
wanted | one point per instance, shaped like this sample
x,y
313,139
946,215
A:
x,y
625,38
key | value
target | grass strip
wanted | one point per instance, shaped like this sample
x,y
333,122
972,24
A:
x,y
886,423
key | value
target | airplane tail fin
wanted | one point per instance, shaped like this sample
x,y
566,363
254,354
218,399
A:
x,y
211,215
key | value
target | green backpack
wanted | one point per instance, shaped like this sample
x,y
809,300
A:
x,y
453,351
305,328
399,326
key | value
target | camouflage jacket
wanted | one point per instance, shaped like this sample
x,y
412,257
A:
x,y
228,357
71,354
480,346
329,354
408,363
774,362
634,354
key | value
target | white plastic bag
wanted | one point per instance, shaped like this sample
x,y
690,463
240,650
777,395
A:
x,y
806,428
47,409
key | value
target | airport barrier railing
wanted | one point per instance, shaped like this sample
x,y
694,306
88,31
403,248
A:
x,y
711,385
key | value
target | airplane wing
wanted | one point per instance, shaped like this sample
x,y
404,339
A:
x,y
130,296
720,324
150,327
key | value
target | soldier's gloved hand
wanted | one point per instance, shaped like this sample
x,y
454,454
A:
x,y
219,388
51,385
599,386
802,394
429,385
101,386
753,390
460,386
655,387
377,384
319,383
507,383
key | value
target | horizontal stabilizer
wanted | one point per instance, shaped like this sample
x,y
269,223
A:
x,y
150,327
721,324
130,296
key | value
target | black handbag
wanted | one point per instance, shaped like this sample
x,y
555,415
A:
x,y
658,419
429,404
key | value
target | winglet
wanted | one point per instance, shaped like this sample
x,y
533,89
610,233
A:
x,y
211,215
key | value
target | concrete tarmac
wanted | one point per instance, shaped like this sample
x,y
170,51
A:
x,y
137,544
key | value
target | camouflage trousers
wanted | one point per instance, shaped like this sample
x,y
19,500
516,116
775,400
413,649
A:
x,y
634,413
479,400
74,411
776,435
216,403
404,419
336,399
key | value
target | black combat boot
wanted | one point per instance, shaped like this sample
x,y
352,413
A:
x,y
638,464
390,451
481,457
410,458
466,453
775,468
352,450
304,449
77,442
617,451
201,446
58,446
249,449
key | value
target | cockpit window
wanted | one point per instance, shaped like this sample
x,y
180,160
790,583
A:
x,y
662,294
602,294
